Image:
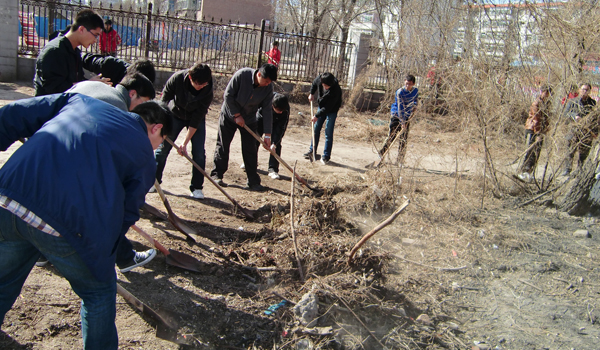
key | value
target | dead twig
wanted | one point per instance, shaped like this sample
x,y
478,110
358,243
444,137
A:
x,y
366,237
531,285
292,226
536,198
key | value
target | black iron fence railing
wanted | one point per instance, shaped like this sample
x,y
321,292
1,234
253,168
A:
x,y
176,43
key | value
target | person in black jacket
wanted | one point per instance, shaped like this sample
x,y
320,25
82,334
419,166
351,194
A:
x,y
281,116
115,69
329,102
59,64
188,94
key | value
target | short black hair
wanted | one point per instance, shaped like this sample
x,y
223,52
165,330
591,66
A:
x,y
328,79
138,82
275,43
411,78
268,71
281,101
88,19
108,21
153,113
146,67
200,73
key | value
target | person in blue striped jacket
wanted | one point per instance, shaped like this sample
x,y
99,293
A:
x,y
403,109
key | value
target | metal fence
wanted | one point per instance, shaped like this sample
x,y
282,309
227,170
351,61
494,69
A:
x,y
177,43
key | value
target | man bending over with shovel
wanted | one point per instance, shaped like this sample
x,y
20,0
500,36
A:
x,y
403,108
97,163
133,90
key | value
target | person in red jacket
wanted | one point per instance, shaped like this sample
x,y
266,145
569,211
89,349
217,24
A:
x,y
109,39
274,54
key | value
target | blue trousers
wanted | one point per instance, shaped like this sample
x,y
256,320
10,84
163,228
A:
x,y
330,117
198,153
20,247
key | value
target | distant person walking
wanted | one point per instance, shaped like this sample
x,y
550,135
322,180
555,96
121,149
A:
x,y
109,40
536,127
274,54
402,111
326,90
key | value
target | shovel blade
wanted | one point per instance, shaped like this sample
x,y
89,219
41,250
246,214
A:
x,y
173,336
186,262
152,210
183,227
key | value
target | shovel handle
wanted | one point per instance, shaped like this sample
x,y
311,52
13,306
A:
x,y
244,210
152,241
312,125
302,181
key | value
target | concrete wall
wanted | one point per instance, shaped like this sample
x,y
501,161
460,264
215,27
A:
x,y
9,20
244,11
25,68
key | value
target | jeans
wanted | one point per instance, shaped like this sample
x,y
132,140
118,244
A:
x,y
125,252
330,117
20,247
227,130
198,153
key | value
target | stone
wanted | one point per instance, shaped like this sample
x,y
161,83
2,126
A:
x,y
581,234
307,309
424,319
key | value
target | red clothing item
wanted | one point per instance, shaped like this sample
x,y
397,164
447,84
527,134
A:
x,y
570,96
274,56
108,41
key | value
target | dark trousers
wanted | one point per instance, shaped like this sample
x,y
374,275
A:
x,y
198,153
273,163
395,128
125,252
532,156
578,142
227,129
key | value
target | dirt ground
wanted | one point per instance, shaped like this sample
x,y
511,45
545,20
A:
x,y
455,270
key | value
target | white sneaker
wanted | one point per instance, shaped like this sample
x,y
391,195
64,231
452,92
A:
x,y
243,166
152,189
274,176
140,259
198,194
525,177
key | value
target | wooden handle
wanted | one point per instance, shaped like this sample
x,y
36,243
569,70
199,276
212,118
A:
x,y
152,241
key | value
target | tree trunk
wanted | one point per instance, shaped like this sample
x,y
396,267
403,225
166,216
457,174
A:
x,y
574,197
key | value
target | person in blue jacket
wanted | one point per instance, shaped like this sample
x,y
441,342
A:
x,y
71,192
403,108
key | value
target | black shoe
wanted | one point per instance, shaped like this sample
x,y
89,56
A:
x,y
140,259
308,155
324,160
255,188
219,181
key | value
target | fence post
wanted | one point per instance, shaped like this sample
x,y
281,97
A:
x,y
148,29
260,46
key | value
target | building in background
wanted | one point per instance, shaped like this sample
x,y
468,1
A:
x,y
242,11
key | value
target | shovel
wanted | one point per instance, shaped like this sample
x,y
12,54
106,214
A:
x,y
372,165
173,219
165,328
302,181
312,124
248,213
173,257
152,210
